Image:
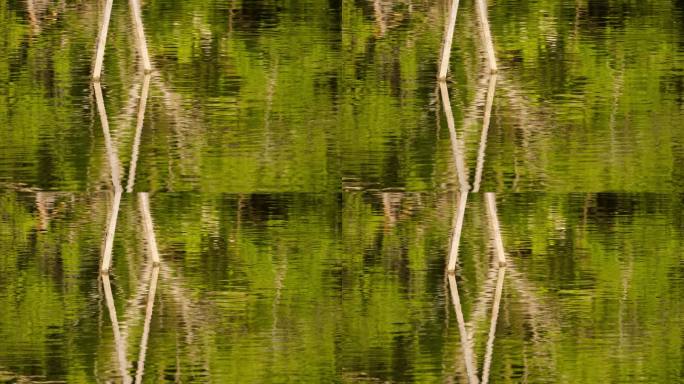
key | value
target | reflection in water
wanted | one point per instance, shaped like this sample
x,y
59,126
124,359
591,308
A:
x,y
490,198
119,341
485,131
143,198
138,133
492,324
486,34
102,41
141,42
499,266
458,149
457,153
467,348
146,327
116,331
115,167
291,277
465,336
115,171
287,283
148,227
139,32
448,38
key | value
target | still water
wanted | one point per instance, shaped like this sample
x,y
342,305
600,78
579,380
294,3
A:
x,y
308,180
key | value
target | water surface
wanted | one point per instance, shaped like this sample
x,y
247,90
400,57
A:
x,y
306,177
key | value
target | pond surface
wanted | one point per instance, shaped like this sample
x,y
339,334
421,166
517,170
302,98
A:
x,y
308,180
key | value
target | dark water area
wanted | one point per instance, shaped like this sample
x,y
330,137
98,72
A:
x,y
308,180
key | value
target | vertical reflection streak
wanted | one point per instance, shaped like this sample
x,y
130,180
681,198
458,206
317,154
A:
x,y
485,131
116,180
146,327
111,230
462,178
148,227
109,146
471,370
490,199
486,34
448,38
102,41
492,326
138,132
140,34
118,343
455,145
456,232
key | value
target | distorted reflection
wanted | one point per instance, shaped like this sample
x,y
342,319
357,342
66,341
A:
x,y
115,172
120,343
115,169
139,32
138,133
458,150
116,331
499,267
485,131
153,275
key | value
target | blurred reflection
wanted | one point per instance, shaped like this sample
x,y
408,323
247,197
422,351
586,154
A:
x,y
465,336
115,172
485,130
114,166
138,133
146,328
120,341
466,345
139,31
495,234
458,149
457,152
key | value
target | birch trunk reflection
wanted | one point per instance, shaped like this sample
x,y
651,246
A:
x,y
492,214
486,34
138,133
118,343
485,131
148,227
448,38
102,41
140,34
116,180
471,369
146,326
492,325
462,178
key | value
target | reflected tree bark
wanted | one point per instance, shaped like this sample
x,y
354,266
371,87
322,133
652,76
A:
x,y
116,181
146,327
138,133
148,227
118,343
462,178
471,369
490,199
379,17
485,131
141,42
448,39
481,6
492,325
102,41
